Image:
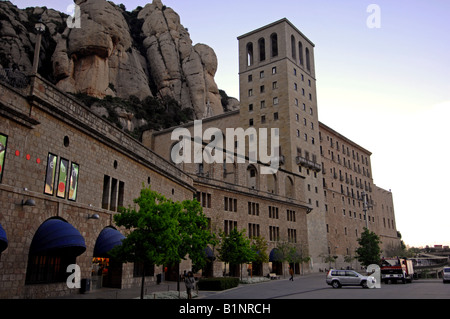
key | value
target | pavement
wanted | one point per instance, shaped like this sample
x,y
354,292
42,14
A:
x,y
152,290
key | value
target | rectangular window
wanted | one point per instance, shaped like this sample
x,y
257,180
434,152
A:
x,y
113,198
121,194
3,143
105,197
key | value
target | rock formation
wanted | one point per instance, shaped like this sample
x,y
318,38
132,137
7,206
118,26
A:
x,y
146,52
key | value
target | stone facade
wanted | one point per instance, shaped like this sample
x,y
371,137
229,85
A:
x,y
347,178
45,121
278,89
314,200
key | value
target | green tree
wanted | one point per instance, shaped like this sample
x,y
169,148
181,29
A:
x,y
369,250
259,246
235,248
161,231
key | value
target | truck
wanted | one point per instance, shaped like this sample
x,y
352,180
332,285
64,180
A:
x,y
396,269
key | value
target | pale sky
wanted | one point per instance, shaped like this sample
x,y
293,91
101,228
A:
x,y
386,88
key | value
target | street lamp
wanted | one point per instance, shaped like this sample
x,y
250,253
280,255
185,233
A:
x,y
40,29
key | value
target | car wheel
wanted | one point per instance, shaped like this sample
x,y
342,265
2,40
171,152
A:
x,y
336,284
364,284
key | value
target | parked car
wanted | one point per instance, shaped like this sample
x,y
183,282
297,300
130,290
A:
x,y
338,278
446,275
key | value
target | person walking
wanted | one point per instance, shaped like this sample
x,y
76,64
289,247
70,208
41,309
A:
x,y
189,281
291,272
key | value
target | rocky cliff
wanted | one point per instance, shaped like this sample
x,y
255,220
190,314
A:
x,y
113,52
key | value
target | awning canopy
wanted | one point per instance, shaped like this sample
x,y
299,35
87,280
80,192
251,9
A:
x,y
107,240
3,239
56,236
274,255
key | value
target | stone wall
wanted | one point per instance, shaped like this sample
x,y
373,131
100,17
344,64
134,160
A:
x,y
49,121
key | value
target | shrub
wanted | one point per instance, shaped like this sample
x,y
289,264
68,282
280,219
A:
x,y
218,283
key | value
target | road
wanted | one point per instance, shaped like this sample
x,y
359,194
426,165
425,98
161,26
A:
x,y
313,286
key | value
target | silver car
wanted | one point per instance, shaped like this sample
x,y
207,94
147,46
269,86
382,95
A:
x,y
338,278
446,275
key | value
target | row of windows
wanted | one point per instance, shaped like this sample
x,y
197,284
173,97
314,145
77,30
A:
x,y
299,55
230,204
254,231
345,150
348,164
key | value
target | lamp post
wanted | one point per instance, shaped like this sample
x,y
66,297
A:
x,y
40,29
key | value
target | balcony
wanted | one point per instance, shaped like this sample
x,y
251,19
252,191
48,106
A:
x,y
308,163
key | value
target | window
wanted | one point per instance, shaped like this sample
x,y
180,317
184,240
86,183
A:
x,y
250,107
253,208
263,119
292,235
294,51
263,104
274,233
308,62
275,101
261,74
274,44
262,49
274,70
253,230
230,204
290,215
275,116
300,53
3,144
273,212
249,54
274,85
261,89
250,78
250,122
228,226
48,269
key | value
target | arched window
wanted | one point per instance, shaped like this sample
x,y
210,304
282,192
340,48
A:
x,y
294,50
274,44
252,177
262,49
249,54
308,63
300,53
289,187
272,184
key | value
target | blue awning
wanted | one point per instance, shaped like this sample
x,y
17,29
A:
x,y
3,239
56,236
209,253
107,240
273,256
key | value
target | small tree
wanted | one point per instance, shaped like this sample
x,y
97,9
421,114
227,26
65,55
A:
x,y
369,250
161,232
259,246
235,248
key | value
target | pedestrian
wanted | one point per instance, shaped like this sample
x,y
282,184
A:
x,y
291,272
189,280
